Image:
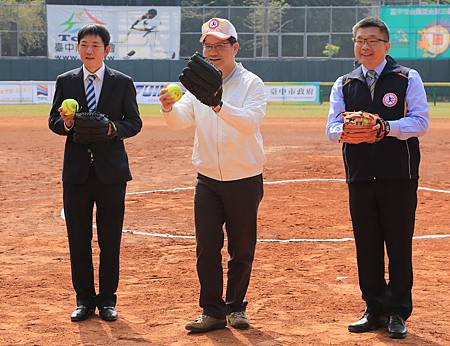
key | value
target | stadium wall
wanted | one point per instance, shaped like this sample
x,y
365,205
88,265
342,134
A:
x,y
308,70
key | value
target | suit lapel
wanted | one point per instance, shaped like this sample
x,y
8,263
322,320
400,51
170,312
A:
x,y
107,88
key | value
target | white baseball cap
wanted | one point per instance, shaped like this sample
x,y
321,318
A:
x,y
218,27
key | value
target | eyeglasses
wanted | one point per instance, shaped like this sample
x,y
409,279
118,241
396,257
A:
x,y
217,46
370,41
83,46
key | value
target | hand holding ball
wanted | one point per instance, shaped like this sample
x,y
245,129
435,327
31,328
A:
x,y
174,91
70,106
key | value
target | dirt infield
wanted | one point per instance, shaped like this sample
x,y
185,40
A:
x,y
300,292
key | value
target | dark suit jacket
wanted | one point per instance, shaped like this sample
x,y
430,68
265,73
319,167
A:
x,y
118,102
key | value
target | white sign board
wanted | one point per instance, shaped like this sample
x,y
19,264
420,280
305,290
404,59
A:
x,y
293,92
148,92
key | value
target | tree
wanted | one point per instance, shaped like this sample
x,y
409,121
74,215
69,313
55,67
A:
x,y
331,50
267,18
25,23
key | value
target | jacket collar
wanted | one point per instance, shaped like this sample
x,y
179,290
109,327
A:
x,y
100,73
391,67
107,87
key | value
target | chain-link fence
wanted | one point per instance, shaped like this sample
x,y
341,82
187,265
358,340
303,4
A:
x,y
264,32
288,32
291,32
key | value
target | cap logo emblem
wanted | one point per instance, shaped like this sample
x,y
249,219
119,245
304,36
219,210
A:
x,y
213,23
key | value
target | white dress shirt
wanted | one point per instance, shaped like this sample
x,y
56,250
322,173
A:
x,y
98,81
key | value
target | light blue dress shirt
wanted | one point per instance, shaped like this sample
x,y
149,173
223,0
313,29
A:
x,y
413,124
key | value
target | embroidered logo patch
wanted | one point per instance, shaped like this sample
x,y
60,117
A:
x,y
390,100
213,23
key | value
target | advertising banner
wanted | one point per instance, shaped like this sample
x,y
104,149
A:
x,y
15,92
26,92
418,32
148,92
137,32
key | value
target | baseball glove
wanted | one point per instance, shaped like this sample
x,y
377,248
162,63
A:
x,y
203,80
91,127
363,127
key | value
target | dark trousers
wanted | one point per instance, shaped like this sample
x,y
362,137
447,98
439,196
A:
x,y
79,201
383,212
235,205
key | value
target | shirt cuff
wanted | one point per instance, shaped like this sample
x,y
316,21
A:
x,y
113,129
335,133
67,128
394,128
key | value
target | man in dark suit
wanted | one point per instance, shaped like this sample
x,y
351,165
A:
x,y
95,172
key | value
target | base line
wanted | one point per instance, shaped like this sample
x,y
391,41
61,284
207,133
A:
x,y
292,240
276,182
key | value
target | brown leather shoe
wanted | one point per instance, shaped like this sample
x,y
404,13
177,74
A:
x,y
205,323
368,322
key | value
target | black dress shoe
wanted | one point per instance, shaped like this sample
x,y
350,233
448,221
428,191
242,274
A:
x,y
368,322
81,313
108,313
397,327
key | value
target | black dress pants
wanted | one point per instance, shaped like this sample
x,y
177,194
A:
x,y
235,205
383,213
79,200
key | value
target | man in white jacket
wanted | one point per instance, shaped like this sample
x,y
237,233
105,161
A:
x,y
229,156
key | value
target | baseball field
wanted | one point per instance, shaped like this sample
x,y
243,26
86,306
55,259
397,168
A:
x,y
304,287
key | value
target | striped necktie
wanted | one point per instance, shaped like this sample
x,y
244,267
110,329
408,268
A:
x,y
371,78
90,93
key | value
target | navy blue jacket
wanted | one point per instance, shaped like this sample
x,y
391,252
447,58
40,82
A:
x,y
390,158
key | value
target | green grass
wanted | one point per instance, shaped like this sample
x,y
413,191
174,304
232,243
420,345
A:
x,y
273,110
441,110
20,110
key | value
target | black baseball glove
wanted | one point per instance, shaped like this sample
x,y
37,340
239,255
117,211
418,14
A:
x,y
203,80
91,127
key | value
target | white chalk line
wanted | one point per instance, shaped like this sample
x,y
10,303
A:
x,y
292,240
433,190
277,182
161,190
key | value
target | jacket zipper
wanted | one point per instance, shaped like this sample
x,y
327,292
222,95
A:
x,y
218,149
409,159
345,161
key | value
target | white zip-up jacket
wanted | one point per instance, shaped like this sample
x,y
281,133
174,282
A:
x,y
228,145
